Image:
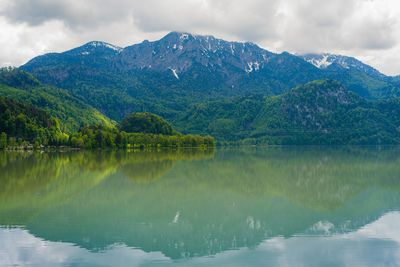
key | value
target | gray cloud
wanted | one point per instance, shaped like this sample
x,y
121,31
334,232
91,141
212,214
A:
x,y
255,20
361,28
341,24
75,14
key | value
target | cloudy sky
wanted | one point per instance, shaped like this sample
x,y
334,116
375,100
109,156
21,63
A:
x,y
366,29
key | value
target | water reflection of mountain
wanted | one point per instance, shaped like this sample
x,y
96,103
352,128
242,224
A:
x,y
208,205
320,178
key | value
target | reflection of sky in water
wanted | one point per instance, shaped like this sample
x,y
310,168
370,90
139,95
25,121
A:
x,y
18,247
376,244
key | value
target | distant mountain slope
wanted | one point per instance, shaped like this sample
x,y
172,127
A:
x,y
71,112
167,75
320,112
326,61
354,73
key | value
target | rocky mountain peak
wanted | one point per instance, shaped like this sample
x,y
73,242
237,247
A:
x,y
326,61
104,45
94,47
180,51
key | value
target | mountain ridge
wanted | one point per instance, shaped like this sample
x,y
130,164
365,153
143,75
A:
x,y
209,43
167,75
326,60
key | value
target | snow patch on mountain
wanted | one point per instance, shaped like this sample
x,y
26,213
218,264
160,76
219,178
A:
x,y
175,74
320,63
104,44
252,66
323,61
184,36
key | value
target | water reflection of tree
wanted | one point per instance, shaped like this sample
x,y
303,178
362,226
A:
x,y
151,165
32,182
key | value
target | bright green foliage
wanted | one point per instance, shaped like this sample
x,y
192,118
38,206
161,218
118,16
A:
x,y
320,112
24,122
3,140
102,136
72,112
146,123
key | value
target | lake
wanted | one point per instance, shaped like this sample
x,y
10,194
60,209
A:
x,y
276,206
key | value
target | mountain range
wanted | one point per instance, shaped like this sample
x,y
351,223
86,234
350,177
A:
x,y
167,75
231,90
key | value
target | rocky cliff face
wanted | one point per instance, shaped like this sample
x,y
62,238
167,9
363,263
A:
x,y
181,51
309,105
176,53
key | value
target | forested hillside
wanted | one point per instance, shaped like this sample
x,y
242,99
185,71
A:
x,y
71,112
320,112
23,122
26,126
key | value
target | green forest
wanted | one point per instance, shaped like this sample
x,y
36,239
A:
x,y
102,136
26,126
321,112
33,115
22,123
70,111
317,113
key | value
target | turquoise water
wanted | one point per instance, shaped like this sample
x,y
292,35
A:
x,y
280,206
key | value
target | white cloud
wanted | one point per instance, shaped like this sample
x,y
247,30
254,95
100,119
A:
x,y
375,244
366,29
19,248
20,42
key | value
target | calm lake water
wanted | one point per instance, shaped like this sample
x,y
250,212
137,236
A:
x,y
281,206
